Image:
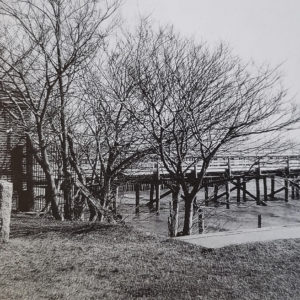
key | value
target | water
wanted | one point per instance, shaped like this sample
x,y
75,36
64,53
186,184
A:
x,y
243,216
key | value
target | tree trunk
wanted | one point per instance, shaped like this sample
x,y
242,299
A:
x,y
115,197
79,201
52,190
52,196
188,216
68,201
105,195
174,212
67,184
93,212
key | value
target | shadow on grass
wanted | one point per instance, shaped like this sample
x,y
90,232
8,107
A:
x,y
30,226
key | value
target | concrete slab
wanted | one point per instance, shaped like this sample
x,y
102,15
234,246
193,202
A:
x,y
244,236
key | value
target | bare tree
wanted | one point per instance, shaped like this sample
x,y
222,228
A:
x,y
111,139
197,102
45,45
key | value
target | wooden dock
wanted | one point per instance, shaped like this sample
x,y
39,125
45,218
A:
x,y
226,175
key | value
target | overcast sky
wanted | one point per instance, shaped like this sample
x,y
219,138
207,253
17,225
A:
x,y
266,31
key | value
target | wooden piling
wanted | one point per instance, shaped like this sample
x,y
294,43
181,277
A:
x,y
288,166
157,198
216,189
238,190
286,190
297,188
137,198
258,170
293,187
206,194
195,171
272,187
227,185
229,167
151,200
265,188
244,184
157,190
259,221
200,221
257,191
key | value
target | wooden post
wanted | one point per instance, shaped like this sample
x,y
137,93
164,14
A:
x,y
272,187
265,188
195,171
201,220
286,190
137,198
238,191
157,194
259,221
244,189
257,191
258,168
293,188
227,185
151,200
216,188
157,198
229,167
288,166
297,189
206,194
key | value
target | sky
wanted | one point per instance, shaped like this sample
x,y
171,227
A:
x,y
262,31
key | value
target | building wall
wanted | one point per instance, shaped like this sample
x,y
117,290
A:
x,y
10,136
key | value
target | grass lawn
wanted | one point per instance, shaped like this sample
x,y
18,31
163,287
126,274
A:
x,y
50,260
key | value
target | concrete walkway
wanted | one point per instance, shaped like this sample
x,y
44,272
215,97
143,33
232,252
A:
x,y
244,236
